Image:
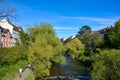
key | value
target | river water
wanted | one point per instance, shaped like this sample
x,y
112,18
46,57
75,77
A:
x,y
71,70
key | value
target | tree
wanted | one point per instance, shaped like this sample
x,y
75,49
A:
x,y
39,55
84,34
44,49
6,11
99,42
74,47
84,30
112,36
24,38
117,34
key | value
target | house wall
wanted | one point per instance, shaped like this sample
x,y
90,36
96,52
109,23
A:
x,y
9,34
6,40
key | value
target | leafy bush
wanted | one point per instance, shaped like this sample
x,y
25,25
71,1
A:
x,y
11,71
74,47
106,65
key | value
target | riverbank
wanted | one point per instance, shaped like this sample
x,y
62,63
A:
x,y
8,72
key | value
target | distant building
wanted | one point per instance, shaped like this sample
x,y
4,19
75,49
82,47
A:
x,y
63,39
66,40
104,30
72,37
9,34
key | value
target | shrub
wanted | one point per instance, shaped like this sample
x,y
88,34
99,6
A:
x,y
106,65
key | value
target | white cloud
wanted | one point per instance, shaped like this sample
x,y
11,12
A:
x,y
65,28
107,21
98,27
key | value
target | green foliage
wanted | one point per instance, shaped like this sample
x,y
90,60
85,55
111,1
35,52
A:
x,y
42,29
9,72
10,61
84,30
96,40
45,48
82,57
7,56
99,42
74,47
59,59
39,54
86,40
112,36
84,35
24,38
106,65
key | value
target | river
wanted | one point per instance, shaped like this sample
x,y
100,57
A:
x,y
71,70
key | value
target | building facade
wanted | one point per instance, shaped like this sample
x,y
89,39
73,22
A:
x,y
9,34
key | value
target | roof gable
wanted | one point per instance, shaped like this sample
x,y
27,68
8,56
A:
x,y
5,24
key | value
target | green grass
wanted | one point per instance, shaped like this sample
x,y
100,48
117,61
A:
x,y
9,72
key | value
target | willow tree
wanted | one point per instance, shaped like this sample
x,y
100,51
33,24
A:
x,y
39,55
44,48
74,47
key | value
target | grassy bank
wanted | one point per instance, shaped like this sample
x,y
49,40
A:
x,y
9,72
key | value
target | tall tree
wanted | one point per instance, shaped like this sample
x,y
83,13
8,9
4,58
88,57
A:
x,y
24,38
44,49
84,34
84,30
39,54
112,36
117,34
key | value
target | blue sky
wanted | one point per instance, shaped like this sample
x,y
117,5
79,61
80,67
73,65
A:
x,y
67,16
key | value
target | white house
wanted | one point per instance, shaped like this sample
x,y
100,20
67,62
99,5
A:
x,y
9,34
